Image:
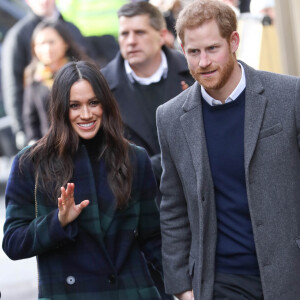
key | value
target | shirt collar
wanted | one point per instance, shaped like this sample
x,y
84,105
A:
x,y
162,71
236,92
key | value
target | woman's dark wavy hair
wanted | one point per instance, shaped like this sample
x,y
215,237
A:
x,y
53,154
74,52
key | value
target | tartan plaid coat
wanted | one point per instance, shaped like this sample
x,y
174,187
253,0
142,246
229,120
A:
x,y
103,253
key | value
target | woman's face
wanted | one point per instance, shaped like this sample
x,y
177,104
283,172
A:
x,y
85,110
49,46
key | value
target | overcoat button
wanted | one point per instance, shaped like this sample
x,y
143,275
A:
x,y
70,280
135,233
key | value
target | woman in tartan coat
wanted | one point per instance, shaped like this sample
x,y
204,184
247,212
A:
x,y
82,199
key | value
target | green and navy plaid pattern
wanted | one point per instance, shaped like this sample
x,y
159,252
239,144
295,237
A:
x,y
102,254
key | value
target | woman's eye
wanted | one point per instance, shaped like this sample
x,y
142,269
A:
x,y
73,105
95,103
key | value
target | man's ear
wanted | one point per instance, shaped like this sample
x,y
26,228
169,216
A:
x,y
234,41
163,33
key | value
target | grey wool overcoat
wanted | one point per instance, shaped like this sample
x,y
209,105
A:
x,y
272,170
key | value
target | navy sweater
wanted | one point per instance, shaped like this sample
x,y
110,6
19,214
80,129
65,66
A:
x,y
224,130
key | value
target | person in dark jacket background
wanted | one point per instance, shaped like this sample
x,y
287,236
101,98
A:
x,y
144,74
16,55
52,47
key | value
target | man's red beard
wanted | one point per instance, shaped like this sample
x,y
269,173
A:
x,y
219,79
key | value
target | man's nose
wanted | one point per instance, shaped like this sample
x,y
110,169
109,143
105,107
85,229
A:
x,y
204,60
131,38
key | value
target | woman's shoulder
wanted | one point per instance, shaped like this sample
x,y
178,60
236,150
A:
x,y
140,161
23,151
138,152
23,155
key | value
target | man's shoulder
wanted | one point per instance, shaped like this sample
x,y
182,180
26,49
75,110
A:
x,y
22,30
175,58
268,80
113,64
113,69
277,79
174,106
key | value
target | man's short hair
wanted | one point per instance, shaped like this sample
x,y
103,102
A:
x,y
197,12
132,9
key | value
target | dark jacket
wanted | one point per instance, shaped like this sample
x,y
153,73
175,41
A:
x,y
16,55
100,255
137,129
35,110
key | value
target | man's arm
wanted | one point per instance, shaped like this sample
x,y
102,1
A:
x,y
297,105
176,235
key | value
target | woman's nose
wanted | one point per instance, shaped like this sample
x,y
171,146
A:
x,y
85,113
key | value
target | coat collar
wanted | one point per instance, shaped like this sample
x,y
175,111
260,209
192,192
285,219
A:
x,y
254,111
115,76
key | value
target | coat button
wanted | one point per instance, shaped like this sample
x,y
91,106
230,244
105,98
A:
x,y
70,280
112,279
135,233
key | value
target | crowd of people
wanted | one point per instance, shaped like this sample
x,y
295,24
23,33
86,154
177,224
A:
x,y
159,174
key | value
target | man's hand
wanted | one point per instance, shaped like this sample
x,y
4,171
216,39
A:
x,y
68,210
188,295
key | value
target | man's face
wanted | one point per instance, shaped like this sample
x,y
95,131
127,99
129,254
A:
x,y
42,8
139,42
210,57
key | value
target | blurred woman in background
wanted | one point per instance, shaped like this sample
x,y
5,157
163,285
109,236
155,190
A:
x,y
52,47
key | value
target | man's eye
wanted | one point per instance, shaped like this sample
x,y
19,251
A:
x,y
193,51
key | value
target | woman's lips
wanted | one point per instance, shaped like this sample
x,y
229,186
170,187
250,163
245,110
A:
x,y
87,125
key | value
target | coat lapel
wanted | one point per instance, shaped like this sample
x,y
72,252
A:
x,y
106,199
192,124
85,188
254,112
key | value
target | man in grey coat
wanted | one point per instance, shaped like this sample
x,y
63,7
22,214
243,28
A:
x,y
230,210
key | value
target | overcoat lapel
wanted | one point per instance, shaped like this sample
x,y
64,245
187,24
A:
x,y
254,112
192,124
85,188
